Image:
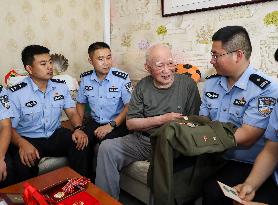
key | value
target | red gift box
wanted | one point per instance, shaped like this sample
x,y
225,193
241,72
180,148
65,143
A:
x,y
82,198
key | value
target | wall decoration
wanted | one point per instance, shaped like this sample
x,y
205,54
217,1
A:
x,y
175,7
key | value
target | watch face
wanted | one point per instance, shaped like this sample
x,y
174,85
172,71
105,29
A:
x,y
113,123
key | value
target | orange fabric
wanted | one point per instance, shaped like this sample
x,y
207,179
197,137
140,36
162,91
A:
x,y
192,71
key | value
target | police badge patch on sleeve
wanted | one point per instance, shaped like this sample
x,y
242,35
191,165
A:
x,y
129,87
266,105
5,101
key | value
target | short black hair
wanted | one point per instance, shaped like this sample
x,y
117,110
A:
x,y
97,45
28,53
276,55
234,38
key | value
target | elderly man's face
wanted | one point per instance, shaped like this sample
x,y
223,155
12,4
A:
x,y
161,66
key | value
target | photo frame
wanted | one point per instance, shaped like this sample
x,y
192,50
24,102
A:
x,y
176,7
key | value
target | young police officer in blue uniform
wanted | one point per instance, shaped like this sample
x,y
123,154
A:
x,y
108,91
264,166
241,95
6,168
37,103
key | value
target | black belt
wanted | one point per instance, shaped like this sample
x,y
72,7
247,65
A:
x,y
146,134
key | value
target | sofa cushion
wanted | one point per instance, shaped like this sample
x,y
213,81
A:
x,y
137,170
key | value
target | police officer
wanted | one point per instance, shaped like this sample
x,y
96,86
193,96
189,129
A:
x,y
241,95
37,103
107,90
6,168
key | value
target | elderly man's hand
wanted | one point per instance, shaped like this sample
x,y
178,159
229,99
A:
x,y
170,116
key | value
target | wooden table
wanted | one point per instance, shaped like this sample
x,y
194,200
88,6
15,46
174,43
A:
x,y
55,176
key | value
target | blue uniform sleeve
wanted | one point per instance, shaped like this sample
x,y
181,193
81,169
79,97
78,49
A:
x,y
16,109
81,98
126,91
69,102
204,111
271,132
5,107
259,109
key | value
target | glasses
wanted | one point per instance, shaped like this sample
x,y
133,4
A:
x,y
160,65
216,56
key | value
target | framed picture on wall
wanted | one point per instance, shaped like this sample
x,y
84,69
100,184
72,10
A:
x,y
175,7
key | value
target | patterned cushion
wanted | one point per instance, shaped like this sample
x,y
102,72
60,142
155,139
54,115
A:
x,y
137,170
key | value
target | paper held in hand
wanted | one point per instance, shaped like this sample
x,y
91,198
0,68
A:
x,y
229,192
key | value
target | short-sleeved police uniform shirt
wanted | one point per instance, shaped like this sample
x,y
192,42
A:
x,y
148,101
250,101
271,132
5,110
106,98
37,113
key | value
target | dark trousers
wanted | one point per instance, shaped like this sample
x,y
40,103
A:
x,y
59,144
11,179
91,125
234,173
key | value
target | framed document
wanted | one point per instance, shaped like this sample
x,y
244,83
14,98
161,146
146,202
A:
x,y
175,7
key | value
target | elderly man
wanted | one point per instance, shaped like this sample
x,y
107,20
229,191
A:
x,y
161,97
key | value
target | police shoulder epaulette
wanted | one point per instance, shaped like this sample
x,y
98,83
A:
x,y
1,87
259,81
55,80
213,76
86,73
120,74
18,86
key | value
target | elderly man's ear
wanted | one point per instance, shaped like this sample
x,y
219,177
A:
x,y
147,67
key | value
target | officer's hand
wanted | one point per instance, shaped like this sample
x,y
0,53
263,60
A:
x,y
245,192
80,138
28,153
170,117
3,170
103,130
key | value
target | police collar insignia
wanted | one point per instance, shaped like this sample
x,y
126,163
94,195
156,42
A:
x,y
113,89
89,87
259,81
212,95
86,73
120,74
1,87
266,105
58,97
18,86
31,103
5,101
58,80
240,102
129,87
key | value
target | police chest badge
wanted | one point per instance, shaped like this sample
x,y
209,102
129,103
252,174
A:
x,y
88,87
58,97
31,103
266,105
113,89
5,101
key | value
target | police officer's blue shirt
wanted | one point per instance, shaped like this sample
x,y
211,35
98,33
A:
x,y
106,98
5,110
271,132
37,114
250,101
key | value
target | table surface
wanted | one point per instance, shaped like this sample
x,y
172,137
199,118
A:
x,y
57,175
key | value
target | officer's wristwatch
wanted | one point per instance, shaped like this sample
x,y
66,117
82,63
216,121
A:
x,y
113,124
